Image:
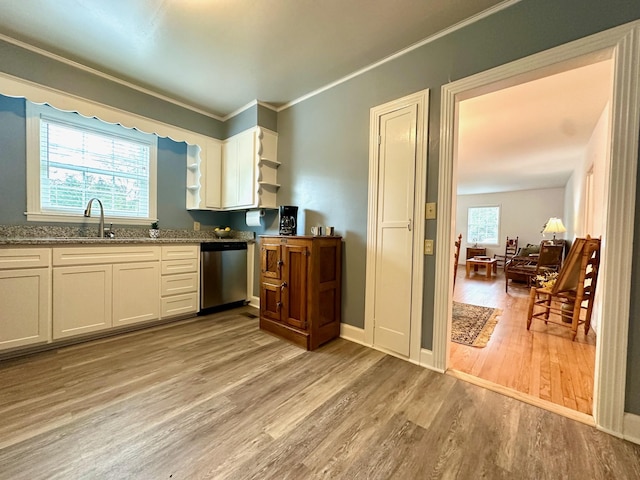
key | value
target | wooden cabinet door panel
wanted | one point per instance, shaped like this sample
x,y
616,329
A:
x,y
271,263
271,301
294,291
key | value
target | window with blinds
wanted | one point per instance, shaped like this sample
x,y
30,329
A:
x,y
81,158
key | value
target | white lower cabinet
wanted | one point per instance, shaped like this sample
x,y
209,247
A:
x,y
49,294
97,288
136,290
24,307
179,284
25,297
82,300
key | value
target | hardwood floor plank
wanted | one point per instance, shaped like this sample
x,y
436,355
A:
x,y
216,398
542,361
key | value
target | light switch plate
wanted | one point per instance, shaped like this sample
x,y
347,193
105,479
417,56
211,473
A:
x,y
428,247
430,211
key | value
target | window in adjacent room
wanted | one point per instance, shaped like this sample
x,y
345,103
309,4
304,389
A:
x,y
483,225
72,158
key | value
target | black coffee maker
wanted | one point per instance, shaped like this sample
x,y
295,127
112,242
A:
x,y
288,220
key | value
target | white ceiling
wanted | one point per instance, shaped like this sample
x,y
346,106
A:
x,y
530,135
220,55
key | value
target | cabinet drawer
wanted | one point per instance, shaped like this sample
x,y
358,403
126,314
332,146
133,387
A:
x,y
186,265
104,255
11,258
178,284
179,252
179,305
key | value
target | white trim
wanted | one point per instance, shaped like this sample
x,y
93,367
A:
x,y
106,76
623,45
20,88
251,252
632,427
34,113
426,360
254,302
353,334
485,13
421,101
247,107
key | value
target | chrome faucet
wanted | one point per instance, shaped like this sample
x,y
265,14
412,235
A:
x,y
87,213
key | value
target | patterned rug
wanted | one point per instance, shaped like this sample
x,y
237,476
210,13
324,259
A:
x,y
472,324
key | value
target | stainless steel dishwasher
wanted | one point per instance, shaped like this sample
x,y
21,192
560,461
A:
x,y
223,275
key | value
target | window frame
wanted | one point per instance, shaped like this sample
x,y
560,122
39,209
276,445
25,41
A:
x,y
34,112
470,241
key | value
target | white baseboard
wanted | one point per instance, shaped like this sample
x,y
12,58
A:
x,y
631,427
353,334
426,360
254,302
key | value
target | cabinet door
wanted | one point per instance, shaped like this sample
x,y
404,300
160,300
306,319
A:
x,y
239,161
24,307
212,175
82,300
136,292
294,291
271,261
270,301
247,163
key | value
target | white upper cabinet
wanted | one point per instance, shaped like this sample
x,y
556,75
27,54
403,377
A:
x,y
237,174
204,164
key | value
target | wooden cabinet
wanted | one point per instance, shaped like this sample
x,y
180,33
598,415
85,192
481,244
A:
x,y
179,282
300,288
25,296
476,251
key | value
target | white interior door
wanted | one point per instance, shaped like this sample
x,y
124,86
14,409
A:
x,y
395,214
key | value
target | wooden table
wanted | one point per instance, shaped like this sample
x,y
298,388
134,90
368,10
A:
x,y
489,264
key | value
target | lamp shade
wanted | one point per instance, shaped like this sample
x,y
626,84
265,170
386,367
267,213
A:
x,y
554,225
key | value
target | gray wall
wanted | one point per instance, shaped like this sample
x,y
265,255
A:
x,y
323,141
25,64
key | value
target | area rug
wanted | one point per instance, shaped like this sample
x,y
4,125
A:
x,y
472,324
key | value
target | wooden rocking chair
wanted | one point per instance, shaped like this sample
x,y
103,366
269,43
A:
x,y
573,291
456,257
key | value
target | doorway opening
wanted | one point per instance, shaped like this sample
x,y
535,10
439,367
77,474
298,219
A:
x,y
615,277
529,149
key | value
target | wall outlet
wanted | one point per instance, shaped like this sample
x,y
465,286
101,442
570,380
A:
x,y
196,226
428,247
430,211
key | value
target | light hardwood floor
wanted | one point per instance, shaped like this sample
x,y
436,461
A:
x,y
218,398
542,362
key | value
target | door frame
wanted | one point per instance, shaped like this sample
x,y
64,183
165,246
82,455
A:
x,y
622,44
421,101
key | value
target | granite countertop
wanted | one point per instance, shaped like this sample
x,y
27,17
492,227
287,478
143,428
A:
x,y
113,241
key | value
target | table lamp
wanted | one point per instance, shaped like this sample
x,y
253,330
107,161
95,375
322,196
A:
x,y
554,225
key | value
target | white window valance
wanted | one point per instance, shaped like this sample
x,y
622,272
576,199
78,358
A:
x,y
20,88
